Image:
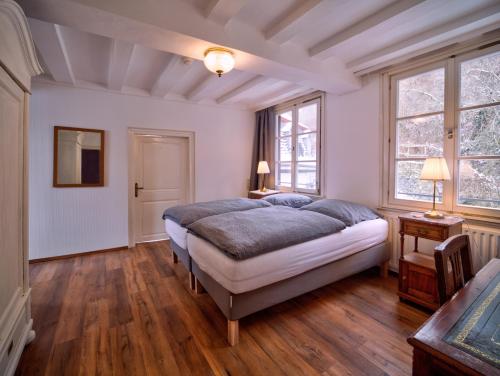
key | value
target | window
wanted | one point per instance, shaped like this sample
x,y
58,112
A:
x,y
298,146
449,109
419,129
478,117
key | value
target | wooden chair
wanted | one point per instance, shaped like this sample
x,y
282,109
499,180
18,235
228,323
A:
x,y
455,252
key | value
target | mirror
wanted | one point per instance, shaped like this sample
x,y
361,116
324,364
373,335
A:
x,y
78,157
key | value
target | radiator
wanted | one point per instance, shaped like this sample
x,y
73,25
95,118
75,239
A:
x,y
485,242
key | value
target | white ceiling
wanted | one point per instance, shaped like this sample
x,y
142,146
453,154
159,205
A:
x,y
283,48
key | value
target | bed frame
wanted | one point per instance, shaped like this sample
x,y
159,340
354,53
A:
x,y
179,253
237,306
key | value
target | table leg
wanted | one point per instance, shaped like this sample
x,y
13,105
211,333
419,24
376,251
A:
x,y
422,363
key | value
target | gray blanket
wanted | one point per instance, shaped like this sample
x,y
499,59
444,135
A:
x,y
186,214
246,234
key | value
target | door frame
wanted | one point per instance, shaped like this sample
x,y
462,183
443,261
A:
x,y
132,132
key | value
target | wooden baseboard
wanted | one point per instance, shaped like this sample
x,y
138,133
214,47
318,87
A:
x,y
44,259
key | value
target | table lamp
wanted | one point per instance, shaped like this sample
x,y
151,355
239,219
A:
x,y
434,169
263,169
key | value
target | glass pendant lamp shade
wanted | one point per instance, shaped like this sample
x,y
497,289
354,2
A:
x,y
219,60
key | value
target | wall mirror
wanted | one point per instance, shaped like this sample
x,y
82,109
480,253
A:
x,y
78,157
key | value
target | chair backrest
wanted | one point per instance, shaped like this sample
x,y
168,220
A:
x,y
454,252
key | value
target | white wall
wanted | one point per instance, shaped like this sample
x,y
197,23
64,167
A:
x,y
70,220
353,144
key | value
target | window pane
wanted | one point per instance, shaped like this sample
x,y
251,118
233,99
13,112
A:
x,y
285,149
420,137
306,147
480,131
421,94
410,187
285,124
308,118
284,174
479,80
306,175
479,183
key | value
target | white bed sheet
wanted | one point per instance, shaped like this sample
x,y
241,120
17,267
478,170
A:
x,y
239,276
176,232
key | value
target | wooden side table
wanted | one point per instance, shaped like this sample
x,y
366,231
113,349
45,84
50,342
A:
x,y
258,194
417,271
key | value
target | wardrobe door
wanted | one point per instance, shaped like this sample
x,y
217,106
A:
x,y
11,202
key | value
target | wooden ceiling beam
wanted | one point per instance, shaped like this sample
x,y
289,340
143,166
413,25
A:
x,y
250,84
221,11
119,61
324,49
176,68
285,28
50,42
282,95
202,88
455,31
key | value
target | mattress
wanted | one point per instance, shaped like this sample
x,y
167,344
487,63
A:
x,y
176,232
250,274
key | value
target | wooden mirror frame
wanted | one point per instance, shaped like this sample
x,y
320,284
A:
x,y
56,151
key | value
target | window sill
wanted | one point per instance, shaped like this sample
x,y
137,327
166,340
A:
x,y
470,218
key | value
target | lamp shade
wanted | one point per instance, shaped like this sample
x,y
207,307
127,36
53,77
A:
x,y
435,169
219,60
263,168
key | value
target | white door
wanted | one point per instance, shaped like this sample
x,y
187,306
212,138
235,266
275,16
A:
x,y
161,181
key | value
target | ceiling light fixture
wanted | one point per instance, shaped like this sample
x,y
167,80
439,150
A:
x,y
219,60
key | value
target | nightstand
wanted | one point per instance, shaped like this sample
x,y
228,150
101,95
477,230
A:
x,y
258,194
417,271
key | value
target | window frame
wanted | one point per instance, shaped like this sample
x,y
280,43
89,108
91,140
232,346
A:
x,y
451,146
294,106
461,208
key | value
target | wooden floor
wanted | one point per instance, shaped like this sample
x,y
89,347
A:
x,y
131,312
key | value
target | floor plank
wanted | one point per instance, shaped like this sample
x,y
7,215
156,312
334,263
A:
x,y
130,312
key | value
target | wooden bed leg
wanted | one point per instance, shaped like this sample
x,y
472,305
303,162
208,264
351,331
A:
x,y
384,269
175,258
233,335
192,283
198,287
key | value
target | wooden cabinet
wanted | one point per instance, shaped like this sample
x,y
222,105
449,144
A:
x,y
258,194
417,271
17,64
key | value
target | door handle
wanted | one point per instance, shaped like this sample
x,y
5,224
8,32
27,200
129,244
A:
x,y
136,189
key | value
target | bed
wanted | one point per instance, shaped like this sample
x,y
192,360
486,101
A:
x,y
179,217
241,287
178,244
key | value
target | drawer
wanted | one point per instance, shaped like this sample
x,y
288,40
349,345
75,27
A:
x,y
424,231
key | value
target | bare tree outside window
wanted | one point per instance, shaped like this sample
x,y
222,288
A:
x,y
297,151
479,129
420,115
419,132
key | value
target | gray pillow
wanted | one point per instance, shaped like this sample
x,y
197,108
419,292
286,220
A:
x,y
292,200
348,212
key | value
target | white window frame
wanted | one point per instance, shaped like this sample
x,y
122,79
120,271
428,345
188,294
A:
x,y
294,106
451,142
460,208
